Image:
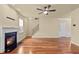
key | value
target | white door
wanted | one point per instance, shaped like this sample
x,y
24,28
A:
x,y
65,27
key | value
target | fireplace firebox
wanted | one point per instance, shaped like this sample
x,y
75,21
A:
x,y
10,41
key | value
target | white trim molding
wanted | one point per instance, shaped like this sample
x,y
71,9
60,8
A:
x,y
75,43
45,36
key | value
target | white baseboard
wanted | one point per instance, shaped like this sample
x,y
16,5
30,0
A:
x,y
48,36
45,36
74,43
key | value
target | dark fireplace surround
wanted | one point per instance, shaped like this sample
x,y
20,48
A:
x,y
10,41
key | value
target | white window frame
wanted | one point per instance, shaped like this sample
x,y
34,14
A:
x,y
21,25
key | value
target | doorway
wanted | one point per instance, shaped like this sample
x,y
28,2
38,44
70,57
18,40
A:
x,y
64,27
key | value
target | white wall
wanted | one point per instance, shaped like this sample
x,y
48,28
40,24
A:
x,y
74,15
5,11
48,27
25,29
64,27
32,24
75,29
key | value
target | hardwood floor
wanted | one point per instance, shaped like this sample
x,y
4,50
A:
x,y
75,49
45,46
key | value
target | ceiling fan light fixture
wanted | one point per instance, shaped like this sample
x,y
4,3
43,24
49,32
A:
x,y
45,12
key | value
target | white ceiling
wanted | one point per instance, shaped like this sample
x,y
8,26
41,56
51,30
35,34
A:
x,y
29,10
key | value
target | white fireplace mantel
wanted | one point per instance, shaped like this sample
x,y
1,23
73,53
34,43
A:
x,y
4,30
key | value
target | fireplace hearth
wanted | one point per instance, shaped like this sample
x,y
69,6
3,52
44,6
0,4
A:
x,y
10,41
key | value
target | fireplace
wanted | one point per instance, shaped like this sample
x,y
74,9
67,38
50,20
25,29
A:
x,y
10,41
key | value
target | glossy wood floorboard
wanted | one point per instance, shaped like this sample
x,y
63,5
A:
x,y
45,46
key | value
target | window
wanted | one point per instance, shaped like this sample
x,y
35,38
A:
x,y
21,25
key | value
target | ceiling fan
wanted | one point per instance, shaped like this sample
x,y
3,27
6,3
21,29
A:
x,y
46,10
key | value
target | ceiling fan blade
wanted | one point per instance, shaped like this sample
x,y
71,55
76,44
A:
x,y
39,9
52,10
49,6
40,12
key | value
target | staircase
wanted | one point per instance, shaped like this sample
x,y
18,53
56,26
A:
x,y
35,29
33,26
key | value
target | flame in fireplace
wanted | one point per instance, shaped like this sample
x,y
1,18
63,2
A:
x,y
10,41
